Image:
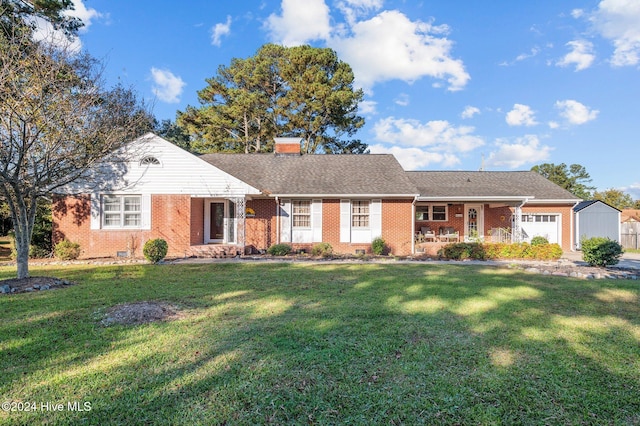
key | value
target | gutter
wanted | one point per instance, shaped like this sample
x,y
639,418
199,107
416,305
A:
x,y
350,196
277,220
413,225
574,243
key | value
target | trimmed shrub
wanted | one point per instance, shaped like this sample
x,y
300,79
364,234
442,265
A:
x,y
322,249
599,251
66,250
461,251
378,246
538,240
279,249
155,250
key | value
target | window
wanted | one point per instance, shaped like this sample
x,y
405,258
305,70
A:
x,y
122,211
435,212
360,214
439,213
539,218
150,161
302,214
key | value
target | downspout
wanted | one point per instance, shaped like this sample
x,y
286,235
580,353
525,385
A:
x,y
277,220
413,225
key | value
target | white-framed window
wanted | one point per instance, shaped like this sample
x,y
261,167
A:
x,y
539,218
121,211
301,211
432,212
360,213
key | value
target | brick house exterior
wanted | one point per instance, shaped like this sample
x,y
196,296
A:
x,y
230,204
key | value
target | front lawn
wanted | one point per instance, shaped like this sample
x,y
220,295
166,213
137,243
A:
x,y
323,344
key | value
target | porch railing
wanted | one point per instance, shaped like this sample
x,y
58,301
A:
x,y
500,235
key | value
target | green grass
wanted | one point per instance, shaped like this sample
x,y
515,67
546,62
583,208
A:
x,y
325,344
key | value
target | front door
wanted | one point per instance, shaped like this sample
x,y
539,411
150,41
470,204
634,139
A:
x,y
474,222
216,218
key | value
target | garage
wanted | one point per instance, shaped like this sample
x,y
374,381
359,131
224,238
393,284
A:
x,y
544,225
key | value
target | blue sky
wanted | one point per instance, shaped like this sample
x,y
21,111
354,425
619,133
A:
x,y
450,84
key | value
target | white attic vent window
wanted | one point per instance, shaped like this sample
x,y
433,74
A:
x,y
150,160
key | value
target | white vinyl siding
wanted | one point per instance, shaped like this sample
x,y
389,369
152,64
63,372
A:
x,y
285,221
316,220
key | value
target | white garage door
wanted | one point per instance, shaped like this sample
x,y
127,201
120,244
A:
x,y
545,225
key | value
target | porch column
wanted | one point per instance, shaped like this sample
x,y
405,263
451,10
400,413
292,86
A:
x,y
240,218
516,235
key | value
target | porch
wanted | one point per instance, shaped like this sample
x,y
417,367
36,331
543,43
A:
x,y
217,227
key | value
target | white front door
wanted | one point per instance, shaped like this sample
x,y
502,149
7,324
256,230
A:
x,y
473,221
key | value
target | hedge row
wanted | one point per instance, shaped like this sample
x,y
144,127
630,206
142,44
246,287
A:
x,y
486,251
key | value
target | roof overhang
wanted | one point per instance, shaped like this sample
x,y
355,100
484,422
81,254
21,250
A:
x,y
477,199
343,195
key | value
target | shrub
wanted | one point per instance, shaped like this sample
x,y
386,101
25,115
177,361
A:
x,y
461,251
66,250
322,249
599,251
538,240
279,249
378,246
155,250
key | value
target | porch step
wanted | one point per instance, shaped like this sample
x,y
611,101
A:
x,y
215,251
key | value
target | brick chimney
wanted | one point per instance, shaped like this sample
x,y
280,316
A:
x,y
287,146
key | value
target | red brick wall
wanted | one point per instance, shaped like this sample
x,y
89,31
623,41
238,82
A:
x,y
396,225
452,221
197,221
260,231
171,215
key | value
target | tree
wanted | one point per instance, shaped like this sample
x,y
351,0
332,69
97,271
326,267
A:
x,y
57,121
574,178
615,198
170,131
20,16
300,91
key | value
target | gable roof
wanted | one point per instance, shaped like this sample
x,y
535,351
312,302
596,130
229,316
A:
x,y
630,215
515,185
583,205
318,174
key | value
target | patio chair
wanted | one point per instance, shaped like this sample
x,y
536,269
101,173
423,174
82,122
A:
x,y
427,233
448,234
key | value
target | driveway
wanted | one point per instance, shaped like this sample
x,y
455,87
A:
x,y
628,260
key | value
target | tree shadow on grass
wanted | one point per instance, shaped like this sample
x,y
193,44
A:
x,y
333,344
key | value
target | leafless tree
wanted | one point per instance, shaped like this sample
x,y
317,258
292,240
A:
x,y
58,121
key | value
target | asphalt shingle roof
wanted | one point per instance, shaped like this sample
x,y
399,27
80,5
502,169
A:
x,y
318,174
487,184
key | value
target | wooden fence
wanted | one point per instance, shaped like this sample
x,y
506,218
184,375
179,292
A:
x,y
629,235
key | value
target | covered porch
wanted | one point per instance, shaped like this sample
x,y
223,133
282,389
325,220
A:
x,y
439,222
217,226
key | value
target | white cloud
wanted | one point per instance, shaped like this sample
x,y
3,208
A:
x,y
575,112
521,115
367,107
577,13
300,22
45,31
525,150
416,158
633,190
402,99
437,135
553,124
404,49
619,21
353,9
220,30
581,55
469,111
534,52
166,86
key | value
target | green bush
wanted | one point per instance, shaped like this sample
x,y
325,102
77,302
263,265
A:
x,y
322,249
378,246
477,251
279,249
599,251
66,250
538,240
461,251
155,250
